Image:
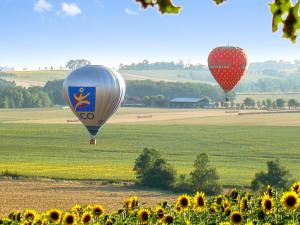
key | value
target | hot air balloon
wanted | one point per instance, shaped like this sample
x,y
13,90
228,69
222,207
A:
x,y
94,93
227,65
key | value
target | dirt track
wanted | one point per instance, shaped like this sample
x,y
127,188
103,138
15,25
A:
x,y
46,194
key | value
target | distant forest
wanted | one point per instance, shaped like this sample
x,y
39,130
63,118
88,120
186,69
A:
x,y
146,65
51,94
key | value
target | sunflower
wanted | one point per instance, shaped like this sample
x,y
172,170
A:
x,y
269,191
29,215
177,208
236,217
267,204
86,218
76,208
184,202
296,187
225,223
290,200
168,219
234,194
54,216
225,204
243,204
159,212
69,218
134,202
109,222
98,210
249,223
200,201
144,215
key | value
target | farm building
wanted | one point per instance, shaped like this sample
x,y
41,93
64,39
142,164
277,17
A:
x,y
190,103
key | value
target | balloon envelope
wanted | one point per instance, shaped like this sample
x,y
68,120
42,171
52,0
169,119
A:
x,y
227,65
94,93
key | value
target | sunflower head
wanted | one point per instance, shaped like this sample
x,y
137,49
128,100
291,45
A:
x,y
98,210
236,217
234,194
144,215
225,204
76,208
267,204
270,192
225,223
86,218
168,219
54,216
69,218
296,187
243,204
184,201
290,200
159,212
109,222
200,201
29,215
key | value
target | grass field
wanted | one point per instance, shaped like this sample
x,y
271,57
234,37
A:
x,y
238,148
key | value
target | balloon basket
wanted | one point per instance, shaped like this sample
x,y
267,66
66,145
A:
x,y
93,141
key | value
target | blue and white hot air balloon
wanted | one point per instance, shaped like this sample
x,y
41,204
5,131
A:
x,y
94,93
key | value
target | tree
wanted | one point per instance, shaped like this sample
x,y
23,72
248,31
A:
x,y
269,103
249,102
204,177
280,102
283,11
153,171
76,63
292,103
276,176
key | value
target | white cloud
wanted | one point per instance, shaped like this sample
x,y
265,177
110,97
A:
x,y
42,6
70,9
130,12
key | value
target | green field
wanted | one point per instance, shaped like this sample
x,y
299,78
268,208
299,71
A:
x,y
62,151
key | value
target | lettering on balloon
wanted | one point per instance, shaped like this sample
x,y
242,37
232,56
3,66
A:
x,y
87,116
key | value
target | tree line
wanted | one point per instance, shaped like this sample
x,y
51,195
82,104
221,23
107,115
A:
x,y
12,96
51,94
269,104
153,171
146,65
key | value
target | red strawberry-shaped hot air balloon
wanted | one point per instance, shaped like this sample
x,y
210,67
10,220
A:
x,y
227,65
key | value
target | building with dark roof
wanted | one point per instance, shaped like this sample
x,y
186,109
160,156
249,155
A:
x,y
190,103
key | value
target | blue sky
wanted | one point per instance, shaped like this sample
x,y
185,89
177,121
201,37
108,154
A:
x,y
109,32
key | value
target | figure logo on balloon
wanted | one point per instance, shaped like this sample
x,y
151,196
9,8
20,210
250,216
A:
x,y
82,98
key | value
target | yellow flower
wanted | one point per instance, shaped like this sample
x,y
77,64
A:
x,y
131,203
296,187
225,223
184,202
98,210
54,216
29,215
76,208
290,200
267,204
243,204
159,212
200,201
69,218
168,219
236,218
86,218
144,215
109,222
249,223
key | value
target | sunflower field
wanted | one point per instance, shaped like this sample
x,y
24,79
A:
x,y
236,207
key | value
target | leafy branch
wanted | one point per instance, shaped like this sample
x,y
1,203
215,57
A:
x,y
284,12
